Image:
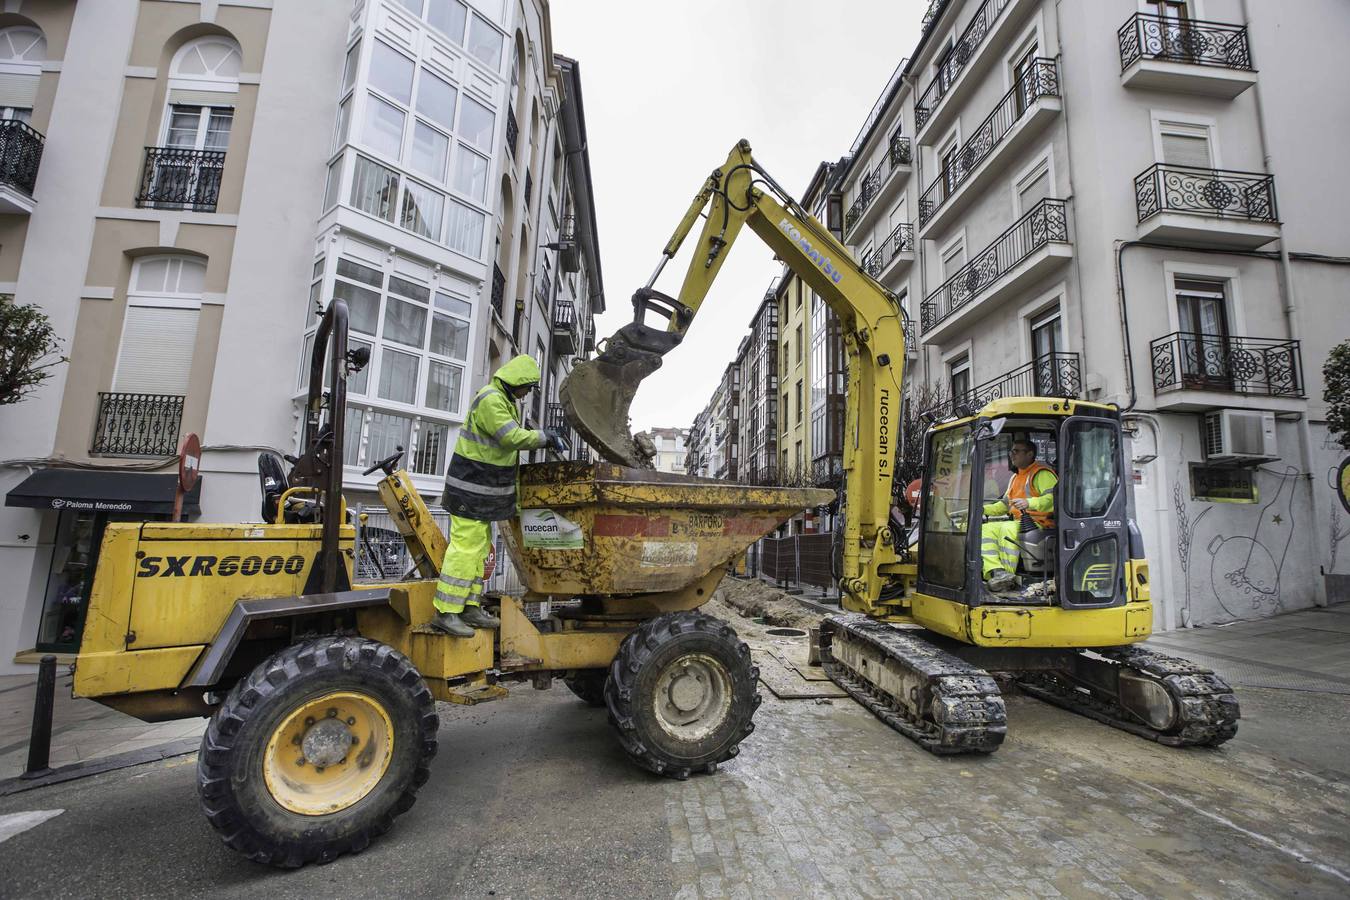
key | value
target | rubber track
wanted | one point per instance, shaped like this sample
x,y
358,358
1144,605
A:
x,y
971,717
1207,709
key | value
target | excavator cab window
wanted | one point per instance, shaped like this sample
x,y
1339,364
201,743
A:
x,y
945,505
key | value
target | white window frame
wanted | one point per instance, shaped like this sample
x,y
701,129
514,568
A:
x,y
25,67
180,81
1232,292
952,363
1197,8
1054,299
1045,161
1160,119
1033,34
946,249
157,299
203,120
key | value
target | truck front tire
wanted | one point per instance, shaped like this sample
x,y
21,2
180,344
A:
x,y
682,693
316,751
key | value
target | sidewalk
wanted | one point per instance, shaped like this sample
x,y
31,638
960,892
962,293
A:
x,y
81,729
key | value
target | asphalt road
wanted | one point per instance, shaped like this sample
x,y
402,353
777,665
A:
x,y
532,797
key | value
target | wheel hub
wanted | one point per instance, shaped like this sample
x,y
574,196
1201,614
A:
x,y
693,697
328,753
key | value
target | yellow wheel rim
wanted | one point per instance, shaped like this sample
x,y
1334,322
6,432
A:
x,y
329,753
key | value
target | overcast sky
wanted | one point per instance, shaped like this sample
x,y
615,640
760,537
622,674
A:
x,y
668,89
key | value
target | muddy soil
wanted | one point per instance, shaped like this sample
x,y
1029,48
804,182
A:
x,y
753,599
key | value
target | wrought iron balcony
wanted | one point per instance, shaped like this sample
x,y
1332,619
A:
x,y
1040,80
1237,365
512,130
175,178
20,154
901,240
961,53
899,155
498,291
1162,188
1192,41
911,338
137,424
1048,375
556,417
1046,223
569,254
566,340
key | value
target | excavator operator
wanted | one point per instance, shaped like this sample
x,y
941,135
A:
x,y
480,488
1030,499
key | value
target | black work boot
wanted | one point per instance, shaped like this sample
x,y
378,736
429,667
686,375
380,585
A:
x,y
451,624
479,617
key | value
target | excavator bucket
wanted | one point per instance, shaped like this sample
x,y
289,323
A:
x,y
596,396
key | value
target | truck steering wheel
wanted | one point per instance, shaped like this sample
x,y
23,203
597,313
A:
x,y
387,464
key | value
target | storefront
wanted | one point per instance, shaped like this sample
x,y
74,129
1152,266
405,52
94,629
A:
x,y
80,503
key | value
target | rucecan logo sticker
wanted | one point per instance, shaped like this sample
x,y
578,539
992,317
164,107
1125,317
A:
x,y
544,529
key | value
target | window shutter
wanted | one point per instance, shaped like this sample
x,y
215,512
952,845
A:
x,y
18,90
1190,149
1033,191
156,354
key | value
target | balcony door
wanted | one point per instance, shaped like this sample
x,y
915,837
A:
x,y
187,170
1024,79
1174,38
1047,341
1202,311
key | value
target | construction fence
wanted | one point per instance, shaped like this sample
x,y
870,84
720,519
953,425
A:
x,y
799,562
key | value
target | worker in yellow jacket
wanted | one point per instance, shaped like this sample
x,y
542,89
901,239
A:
x,y
1030,499
480,488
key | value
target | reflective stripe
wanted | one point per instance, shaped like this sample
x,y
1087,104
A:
x,y
459,582
471,488
452,599
504,431
466,435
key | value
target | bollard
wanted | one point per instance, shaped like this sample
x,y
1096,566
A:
x,y
40,739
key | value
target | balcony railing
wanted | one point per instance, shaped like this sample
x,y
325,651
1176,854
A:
x,y
911,338
137,424
20,154
498,291
556,417
1247,196
1041,79
566,338
1239,365
901,240
899,153
1192,41
512,130
175,178
961,53
1046,223
1048,375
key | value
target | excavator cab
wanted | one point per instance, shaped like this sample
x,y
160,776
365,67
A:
x,y
1069,552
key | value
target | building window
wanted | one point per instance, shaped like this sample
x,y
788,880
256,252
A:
x,y
1047,340
1185,145
1202,312
959,376
953,258
210,63
418,335
800,341
1032,188
799,402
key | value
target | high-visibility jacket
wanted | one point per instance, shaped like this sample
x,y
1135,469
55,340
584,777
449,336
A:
x,y
1035,484
481,481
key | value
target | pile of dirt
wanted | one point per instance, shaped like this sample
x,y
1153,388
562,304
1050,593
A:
x,y
754,599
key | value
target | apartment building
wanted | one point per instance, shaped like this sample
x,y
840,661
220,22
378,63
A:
x,y
1129,202
794,378
697,446
672,448
758,361
186,186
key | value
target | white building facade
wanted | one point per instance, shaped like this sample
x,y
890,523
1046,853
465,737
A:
x,y
1121,201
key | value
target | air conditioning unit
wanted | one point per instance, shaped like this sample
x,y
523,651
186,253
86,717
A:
x,y
1239,435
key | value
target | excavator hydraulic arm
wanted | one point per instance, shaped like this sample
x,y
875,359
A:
x,y
598,393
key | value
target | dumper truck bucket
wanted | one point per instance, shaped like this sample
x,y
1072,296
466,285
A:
x,y
597,529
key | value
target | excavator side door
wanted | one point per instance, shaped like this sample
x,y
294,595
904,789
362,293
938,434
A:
x,y
1090,512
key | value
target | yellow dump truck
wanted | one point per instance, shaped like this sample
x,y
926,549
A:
x,y
321,693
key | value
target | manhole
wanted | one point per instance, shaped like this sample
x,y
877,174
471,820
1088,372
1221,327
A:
x,y
787,632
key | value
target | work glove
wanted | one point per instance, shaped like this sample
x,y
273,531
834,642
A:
x,y
556,442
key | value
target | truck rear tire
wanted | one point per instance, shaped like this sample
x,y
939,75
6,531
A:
x,y
589,685
682,693
316,751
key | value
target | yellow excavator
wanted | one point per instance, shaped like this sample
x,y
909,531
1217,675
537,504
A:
x,y
924,634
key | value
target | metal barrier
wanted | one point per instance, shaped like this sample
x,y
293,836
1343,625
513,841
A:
x,y
799,562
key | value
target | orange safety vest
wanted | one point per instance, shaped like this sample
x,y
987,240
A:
x,y
1023,486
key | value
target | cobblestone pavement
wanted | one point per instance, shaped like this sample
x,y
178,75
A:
x,y
827,801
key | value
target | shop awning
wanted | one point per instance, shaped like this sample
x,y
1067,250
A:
x,y
87,490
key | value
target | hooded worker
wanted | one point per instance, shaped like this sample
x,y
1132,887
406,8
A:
x,y
480,488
